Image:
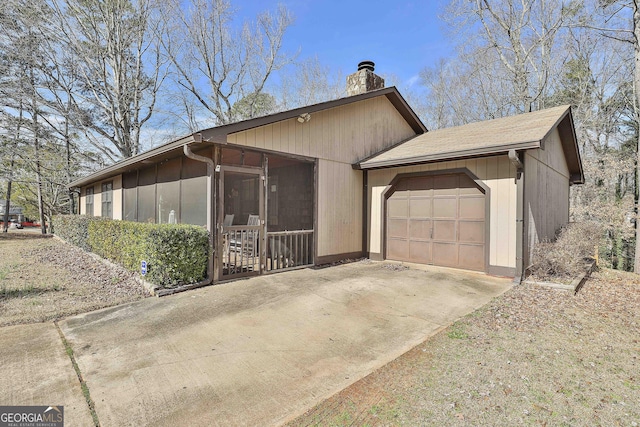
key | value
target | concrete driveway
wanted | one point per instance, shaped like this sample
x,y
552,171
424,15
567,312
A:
x,y
262,351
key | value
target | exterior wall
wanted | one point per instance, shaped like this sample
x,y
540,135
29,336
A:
x,y
344,134
496,172
337,137
83,199
339,209
117,197
97,197
546,192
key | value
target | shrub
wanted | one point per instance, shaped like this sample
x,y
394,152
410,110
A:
x,y
175,254
74,229
566,256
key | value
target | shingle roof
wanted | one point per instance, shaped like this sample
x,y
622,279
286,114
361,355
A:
x,y
219,134
488,137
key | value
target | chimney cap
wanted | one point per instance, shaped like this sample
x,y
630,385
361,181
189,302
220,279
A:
x,y
366,65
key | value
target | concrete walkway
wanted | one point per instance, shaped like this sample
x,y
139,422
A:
x,y
263,350
36,370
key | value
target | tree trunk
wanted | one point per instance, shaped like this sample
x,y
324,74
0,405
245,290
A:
x,y
7,204
36,142
636,90
67,138
14,147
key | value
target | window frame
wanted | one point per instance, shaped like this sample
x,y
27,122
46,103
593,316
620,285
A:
x,y
88,201
107,199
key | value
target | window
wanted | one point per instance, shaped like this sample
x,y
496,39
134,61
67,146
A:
x,y
88,201
107,199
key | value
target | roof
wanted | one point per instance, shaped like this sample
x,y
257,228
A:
x,y
490,137
218,135
13,209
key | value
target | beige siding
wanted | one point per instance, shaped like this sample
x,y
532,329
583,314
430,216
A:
x,y
117,197
339,201
83,199
546,193
97,197
347,134
496,172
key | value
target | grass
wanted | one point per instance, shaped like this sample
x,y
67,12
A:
x,y
83,384
533,356
457,332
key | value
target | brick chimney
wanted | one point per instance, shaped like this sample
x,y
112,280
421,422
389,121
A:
x,y
364,80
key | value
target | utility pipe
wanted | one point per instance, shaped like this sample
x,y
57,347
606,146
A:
x,y
211,219
514,157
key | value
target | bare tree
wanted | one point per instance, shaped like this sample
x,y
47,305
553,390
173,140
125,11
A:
x,y
521,36
217,66
119,64
309,82
620,20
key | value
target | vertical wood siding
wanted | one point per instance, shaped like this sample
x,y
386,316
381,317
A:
x,y
546,193
338,137
496,172
97,197
344,134
339,208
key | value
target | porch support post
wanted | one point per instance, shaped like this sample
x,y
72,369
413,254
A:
x,y
210,208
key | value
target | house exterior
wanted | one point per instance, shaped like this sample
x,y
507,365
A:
x,y
477,196
358,176
15,212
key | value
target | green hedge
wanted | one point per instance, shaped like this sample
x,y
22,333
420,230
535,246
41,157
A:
x,y
74,229
175,254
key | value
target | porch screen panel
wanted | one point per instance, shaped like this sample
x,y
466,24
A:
x,y
147,195
129,185
168,192
193,203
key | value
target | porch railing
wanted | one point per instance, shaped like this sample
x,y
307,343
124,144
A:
x,y
289,249
240,253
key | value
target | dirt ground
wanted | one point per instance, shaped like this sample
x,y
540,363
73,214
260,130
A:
x,y
533,356
45,279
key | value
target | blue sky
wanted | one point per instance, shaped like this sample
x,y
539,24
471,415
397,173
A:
x,y
401,37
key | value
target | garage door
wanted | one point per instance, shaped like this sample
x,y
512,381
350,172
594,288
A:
x,y
437,220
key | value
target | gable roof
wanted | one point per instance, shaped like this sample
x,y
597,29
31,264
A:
x,y
218,135
490,137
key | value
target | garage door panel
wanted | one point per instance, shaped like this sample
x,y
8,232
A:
x,y
468,186
445,207
397,249
420,229
421,193
420,252
444,185
471,256
472,207
444,230
471,232
437,220
398,207
420,207
422,184
397,228
445,254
